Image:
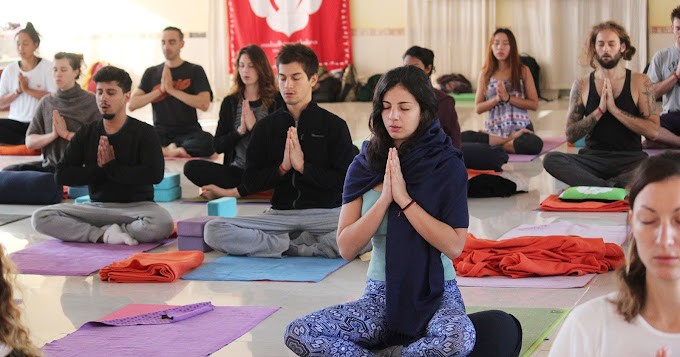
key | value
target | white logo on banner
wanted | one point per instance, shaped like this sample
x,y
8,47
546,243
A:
x,y
286,16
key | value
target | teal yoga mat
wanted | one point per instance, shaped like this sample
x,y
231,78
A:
x,y
301,269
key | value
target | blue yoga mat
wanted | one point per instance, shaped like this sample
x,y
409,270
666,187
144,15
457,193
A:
x,y
309,269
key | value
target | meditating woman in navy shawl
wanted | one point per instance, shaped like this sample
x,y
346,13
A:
x,y
406,192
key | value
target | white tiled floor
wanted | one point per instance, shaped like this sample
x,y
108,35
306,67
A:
x,y
56,306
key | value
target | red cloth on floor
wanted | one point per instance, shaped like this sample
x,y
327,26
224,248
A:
x,y
152,267
553,203
537,256
472,173
18,150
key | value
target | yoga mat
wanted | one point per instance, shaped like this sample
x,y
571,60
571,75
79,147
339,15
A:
x,y
539,282
548,145
9,218
54,257
610,234
655,152
231,268
198,335
537,323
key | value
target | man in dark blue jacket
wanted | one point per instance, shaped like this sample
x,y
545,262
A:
x,y
301,151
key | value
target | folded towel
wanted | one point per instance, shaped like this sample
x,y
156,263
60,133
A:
x,y
537,256
18,150
553,203
150,267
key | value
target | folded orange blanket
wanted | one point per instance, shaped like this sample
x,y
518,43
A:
x,y
18,150
472,173
152,267
537,256
553,203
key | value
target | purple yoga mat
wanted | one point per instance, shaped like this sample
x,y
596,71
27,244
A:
x,y
655,152
54,257
548,145
199,334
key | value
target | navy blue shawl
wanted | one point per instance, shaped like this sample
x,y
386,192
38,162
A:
x,y
436,179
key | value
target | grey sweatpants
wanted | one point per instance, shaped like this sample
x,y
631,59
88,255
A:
x,y
593,167
143,221
269,234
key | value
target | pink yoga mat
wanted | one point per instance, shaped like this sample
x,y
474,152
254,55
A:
x,y
54,257
193,334
548,145
610,234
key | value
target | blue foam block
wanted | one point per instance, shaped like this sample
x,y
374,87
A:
x,y
167,195
192,243
83,199
170,180
223,207
580,143
77,191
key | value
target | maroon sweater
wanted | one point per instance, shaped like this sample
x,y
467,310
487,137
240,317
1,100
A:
x,y
448,118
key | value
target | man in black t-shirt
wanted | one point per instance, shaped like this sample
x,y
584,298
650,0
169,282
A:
x,y
120,160
175,89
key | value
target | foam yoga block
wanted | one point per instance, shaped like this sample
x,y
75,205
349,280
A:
x,y
192,227
170,180
190,234
192,243
223,207
83,199
78,191
167,195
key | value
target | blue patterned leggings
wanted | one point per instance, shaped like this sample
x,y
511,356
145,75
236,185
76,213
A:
x,y
354,328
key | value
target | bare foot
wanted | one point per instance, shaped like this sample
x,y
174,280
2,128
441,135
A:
x,y
211,192
182,152
172,150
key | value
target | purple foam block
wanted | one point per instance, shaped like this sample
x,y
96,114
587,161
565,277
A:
x,y
192,243
193,227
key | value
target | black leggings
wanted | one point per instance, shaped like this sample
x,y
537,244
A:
x,y
13,132
203,173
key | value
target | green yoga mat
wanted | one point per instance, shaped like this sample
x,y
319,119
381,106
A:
x,y
537,323
463,97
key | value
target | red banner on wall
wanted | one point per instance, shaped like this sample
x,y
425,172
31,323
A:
x,y
322,25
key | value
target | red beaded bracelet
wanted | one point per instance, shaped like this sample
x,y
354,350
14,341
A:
x,y
600,110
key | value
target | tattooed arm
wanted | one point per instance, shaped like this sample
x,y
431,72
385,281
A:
x,y
648,123
578,124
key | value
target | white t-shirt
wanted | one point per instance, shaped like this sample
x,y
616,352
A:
x,y
597,329
662,66
39,78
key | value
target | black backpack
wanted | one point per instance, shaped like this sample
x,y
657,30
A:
x,y
535,70
365,92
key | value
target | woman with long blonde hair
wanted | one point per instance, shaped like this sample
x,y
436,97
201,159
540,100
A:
x,y
14,336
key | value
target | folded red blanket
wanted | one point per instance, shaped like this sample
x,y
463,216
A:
x,y
152,267
553,203
537,256
18,150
